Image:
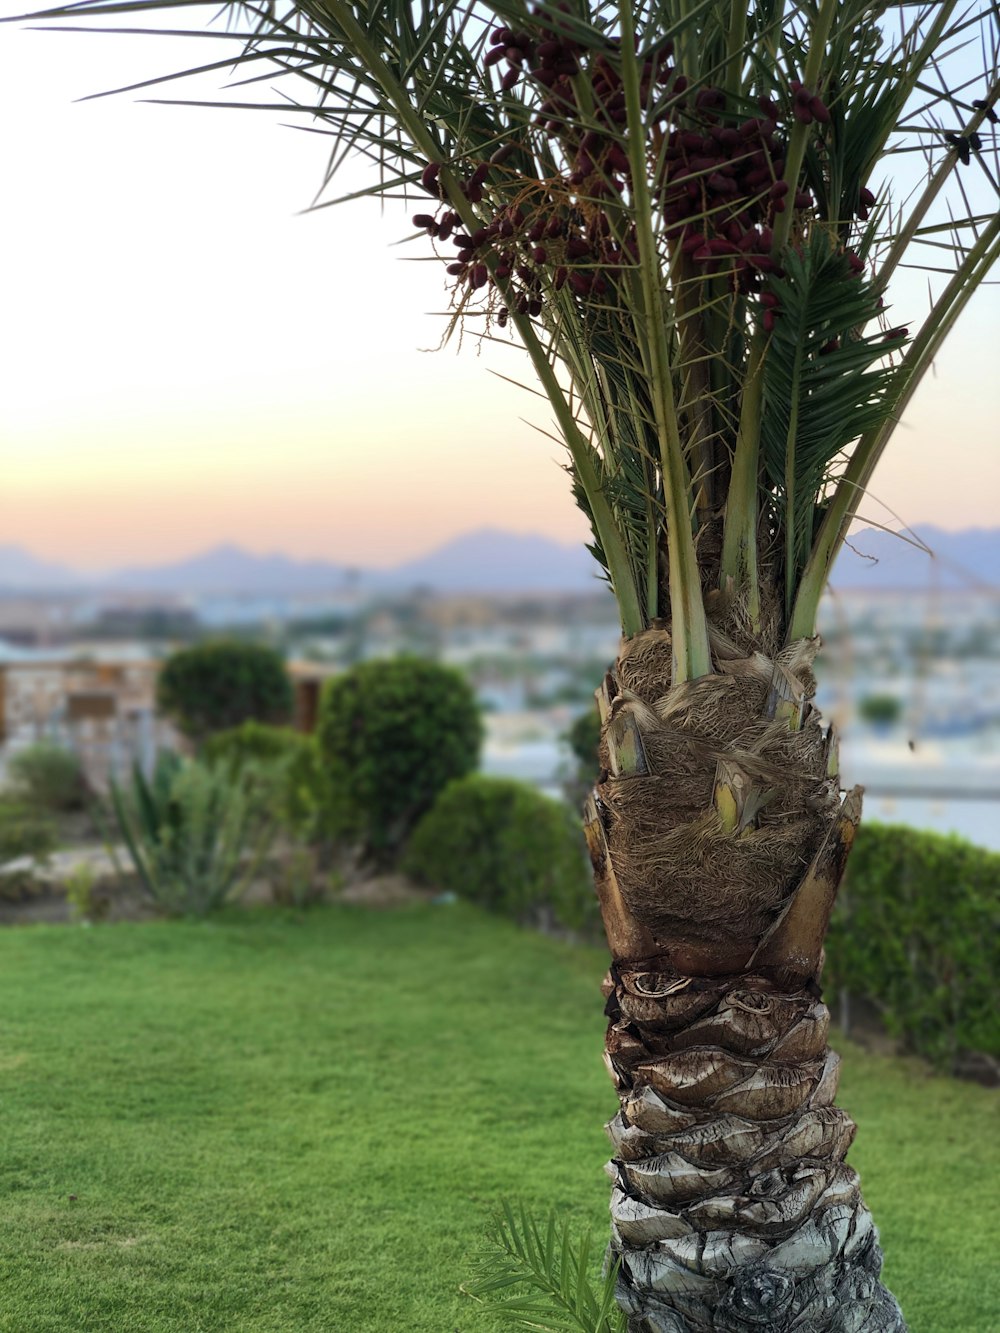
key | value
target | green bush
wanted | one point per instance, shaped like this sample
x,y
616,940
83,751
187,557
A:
x,y
48,776
195,833
393,734
258,741
222,683
917,931
24,831
507,847
87,898
583,737
287,763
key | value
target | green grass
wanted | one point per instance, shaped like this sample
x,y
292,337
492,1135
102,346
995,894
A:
x,y
285,1125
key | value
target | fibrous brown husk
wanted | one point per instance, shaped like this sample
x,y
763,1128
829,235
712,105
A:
x,y
680,871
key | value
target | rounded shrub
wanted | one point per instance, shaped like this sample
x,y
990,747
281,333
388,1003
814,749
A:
x,y
288,766
393,733
49,777
221,683
507,847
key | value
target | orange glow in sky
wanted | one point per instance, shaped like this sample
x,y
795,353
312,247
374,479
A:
x,y
186,361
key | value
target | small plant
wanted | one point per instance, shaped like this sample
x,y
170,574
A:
x,y
49,777
86,901
195,833
222,683
393,734
25,832
507,847
298,884
538,1276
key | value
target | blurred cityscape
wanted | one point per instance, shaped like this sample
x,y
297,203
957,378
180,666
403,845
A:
x,y
910,670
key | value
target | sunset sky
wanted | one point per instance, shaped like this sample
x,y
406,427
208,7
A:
x,y
186,360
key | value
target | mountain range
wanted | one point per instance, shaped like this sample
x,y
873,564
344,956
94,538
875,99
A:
x,y
492,561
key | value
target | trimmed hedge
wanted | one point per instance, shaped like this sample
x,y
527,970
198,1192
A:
x,y
916,930
393,733
221,683
509,848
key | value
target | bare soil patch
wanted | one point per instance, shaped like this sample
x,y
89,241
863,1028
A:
x,y
384,891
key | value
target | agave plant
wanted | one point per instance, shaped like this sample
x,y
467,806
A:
x,y
689,214
195,834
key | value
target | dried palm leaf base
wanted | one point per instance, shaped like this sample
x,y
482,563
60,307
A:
x,y
732,1208
713,804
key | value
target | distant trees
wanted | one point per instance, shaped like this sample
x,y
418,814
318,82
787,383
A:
x,y
881,710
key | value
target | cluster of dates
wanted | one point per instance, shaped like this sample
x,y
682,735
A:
x,y
717,179
722,190
530,253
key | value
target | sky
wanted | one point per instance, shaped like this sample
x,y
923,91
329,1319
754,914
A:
x,y
188,359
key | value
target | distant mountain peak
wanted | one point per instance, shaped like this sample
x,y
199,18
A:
x,y
885,561
21,570
493,560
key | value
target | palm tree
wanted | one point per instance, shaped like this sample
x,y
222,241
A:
x,y
683,211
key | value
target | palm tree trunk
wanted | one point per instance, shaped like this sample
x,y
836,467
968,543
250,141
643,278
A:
x,y
719,837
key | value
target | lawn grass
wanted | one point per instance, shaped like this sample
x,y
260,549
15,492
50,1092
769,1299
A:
x,y
274,1124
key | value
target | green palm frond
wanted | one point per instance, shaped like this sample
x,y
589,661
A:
x,y
538,1276
825,383
621,188
972,270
